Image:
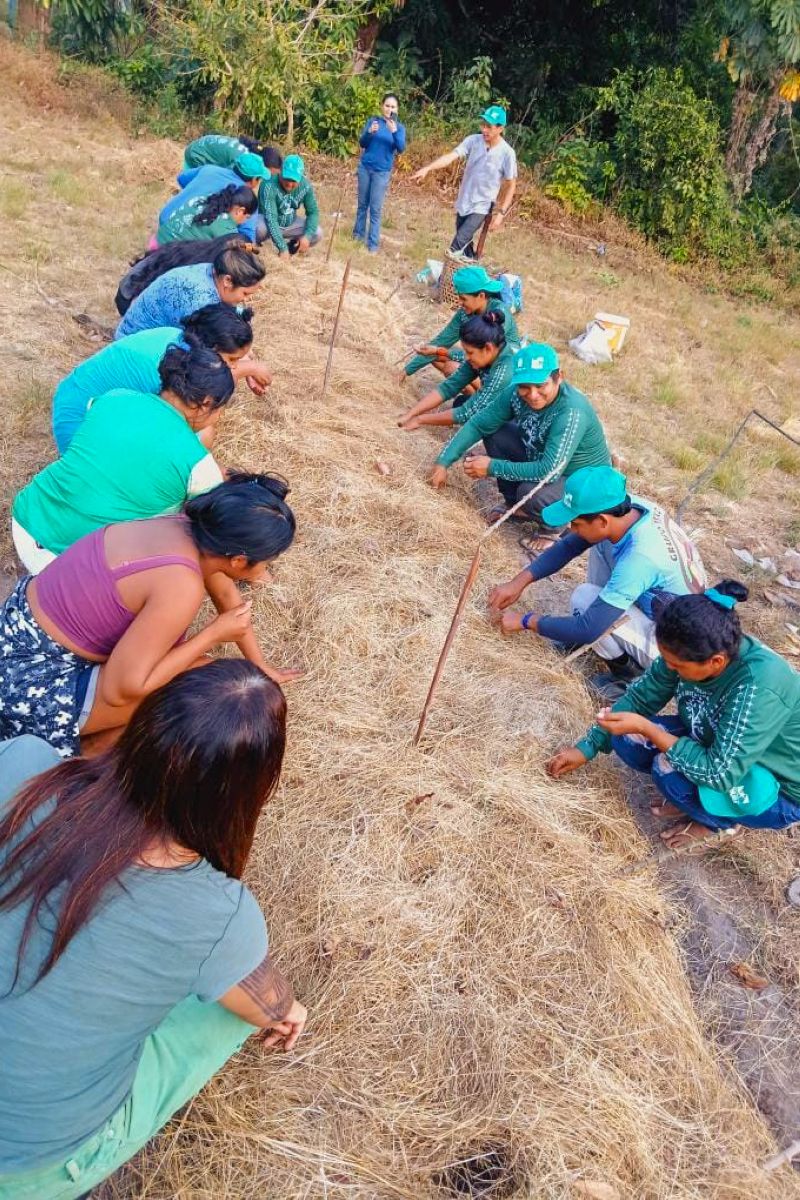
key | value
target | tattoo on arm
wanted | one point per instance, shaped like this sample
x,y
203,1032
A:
x,y
269,990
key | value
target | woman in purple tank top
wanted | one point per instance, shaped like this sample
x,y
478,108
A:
x,y
104,624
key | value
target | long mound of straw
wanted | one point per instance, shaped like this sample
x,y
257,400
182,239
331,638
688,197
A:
x,y
494,1011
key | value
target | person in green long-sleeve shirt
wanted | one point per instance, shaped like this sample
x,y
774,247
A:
x,y
279,199
538,426
478,293
731,756
208,217
486,371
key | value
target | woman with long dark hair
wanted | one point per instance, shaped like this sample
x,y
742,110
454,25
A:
x,y
133,361
136,455
133,960
148,266
232,278
209,216
105,623
731,756
486,372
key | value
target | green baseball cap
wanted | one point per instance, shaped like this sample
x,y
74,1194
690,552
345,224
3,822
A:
x,y
590,490
250,166
293,168
495,114
533,363
756,792
468,281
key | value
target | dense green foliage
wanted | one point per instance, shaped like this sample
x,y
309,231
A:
x,y
695,146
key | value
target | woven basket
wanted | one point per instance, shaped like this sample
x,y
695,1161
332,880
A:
x,y
446,293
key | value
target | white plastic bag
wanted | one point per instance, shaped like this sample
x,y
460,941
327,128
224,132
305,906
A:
x,y
592,346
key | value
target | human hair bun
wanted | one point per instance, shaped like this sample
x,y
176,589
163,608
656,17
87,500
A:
x,y
247,314
494,318
731,587
271,483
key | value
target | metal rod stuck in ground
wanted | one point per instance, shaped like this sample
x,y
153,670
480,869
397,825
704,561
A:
x,y
329,363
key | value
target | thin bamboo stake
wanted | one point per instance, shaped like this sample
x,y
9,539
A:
x,y
336,217
329,363
465,591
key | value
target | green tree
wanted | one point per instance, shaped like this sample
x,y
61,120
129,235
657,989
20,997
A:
x,y
264,58
762,52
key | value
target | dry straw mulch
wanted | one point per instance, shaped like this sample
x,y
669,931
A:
x,y
493,1010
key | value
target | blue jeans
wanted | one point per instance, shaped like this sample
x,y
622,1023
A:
x,y
678,790
372,189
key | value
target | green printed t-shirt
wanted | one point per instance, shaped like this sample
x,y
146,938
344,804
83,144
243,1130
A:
x,y
749,715
134,456
180,226
213,148
72,1042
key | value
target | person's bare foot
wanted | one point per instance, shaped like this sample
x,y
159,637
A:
x,y
686,833
665,809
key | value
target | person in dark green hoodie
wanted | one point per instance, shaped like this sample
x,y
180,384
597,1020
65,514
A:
x,y
477,294
731,756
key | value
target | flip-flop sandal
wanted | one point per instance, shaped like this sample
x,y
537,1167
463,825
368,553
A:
x,y
537,543
713,836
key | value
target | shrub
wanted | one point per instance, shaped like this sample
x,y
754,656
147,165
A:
x,y
333,114
666,145
580,174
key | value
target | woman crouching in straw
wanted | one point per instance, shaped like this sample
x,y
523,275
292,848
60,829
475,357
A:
x,y
104,624
133,961
731,756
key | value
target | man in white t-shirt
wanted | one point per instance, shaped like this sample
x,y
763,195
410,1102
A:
x,y
490,177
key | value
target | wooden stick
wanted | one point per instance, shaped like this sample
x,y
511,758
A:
x,y
472,575
329,363
465,591
336,216
487,220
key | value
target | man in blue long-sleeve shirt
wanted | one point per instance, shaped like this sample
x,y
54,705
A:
x,y
635,553
382,139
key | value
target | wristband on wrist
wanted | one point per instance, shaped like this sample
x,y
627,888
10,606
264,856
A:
x,y
526,619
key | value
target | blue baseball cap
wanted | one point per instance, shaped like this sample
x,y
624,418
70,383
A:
x,y
495,114
250,166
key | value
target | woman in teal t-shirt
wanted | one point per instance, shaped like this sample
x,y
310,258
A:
x,y
133,961
207,217
132,363
136,455
732,754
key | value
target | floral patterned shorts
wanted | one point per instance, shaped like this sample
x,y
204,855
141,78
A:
x,y
42,685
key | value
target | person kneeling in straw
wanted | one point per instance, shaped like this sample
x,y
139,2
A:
x,y
537,423
635,553
731,756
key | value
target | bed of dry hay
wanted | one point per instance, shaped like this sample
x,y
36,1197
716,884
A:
x,y
480,982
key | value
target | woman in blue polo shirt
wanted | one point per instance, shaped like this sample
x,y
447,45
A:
x,y
381,140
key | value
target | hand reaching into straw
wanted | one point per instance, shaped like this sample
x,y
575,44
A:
x,y
565,762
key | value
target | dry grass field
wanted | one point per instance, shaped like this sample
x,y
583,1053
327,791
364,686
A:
x,y
491,997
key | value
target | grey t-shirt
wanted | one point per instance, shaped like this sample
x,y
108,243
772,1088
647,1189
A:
x,y
485,171
71,1043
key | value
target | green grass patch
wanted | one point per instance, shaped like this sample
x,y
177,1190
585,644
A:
x,y
667,392
67,188
731,479
15,197
684,457
787,459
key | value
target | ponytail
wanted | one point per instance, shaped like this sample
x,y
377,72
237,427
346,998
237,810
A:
x,y
224,201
